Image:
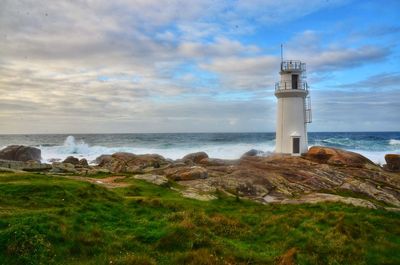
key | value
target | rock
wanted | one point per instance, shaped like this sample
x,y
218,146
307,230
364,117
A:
x,y
58,167
337,157
30,165
51,160
131,163
195,157
101,160
71,160
20,153
83,162
187,173
252,152
216,162
392,162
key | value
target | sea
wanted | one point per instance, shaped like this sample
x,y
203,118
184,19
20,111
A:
x,y
373,145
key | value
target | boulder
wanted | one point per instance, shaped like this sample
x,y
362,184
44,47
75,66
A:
x,y
337,157
195,157
252,152
58,167
30,165
20,153
392,162
187,173
71,160
100,160
131,163
83,162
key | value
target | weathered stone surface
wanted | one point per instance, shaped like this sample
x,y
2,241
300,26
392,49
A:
x,y
58,167
83,162
71,160
30,165
20,153
216,162
187,173
334,156
392,162
195,157
131,163
252,152
101,160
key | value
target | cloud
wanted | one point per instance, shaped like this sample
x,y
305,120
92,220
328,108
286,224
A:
x,y
356,111
151,65
308,47
246,73
271,11
379,82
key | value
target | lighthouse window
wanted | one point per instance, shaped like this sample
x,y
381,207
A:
x,y
295,81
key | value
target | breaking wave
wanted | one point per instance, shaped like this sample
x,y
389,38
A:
x,y
80,149
394,142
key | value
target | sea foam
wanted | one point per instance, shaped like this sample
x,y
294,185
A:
x,y
394,142
80,149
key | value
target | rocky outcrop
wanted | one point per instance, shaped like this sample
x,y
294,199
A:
x,y
30,165
83,162
101,160
322,175
71,160
131,163
337,157
195,157
20,153
186,173
58,167
252,152
392,162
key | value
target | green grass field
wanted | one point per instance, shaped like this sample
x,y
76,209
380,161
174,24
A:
x,y
55,220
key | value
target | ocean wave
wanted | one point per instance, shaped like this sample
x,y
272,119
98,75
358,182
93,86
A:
x,y
394,142
80,149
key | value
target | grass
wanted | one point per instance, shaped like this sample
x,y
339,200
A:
x,y
55,220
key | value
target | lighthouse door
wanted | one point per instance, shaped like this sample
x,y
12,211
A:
x,y
296,145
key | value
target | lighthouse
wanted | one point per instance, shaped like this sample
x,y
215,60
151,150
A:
x,y
293,109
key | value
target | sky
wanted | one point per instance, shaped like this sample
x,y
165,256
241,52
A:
x,y
127,66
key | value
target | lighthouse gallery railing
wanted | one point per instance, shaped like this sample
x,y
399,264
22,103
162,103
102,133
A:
x,y
288,85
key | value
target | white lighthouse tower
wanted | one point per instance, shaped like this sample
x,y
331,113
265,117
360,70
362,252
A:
x,y
294,109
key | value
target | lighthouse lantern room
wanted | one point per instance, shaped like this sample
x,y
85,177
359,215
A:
x,y
294,109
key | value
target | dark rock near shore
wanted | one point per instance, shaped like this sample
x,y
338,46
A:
x,y
392,162
101,160
20,153
195,157
337,157
252,152
71,160
83,162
